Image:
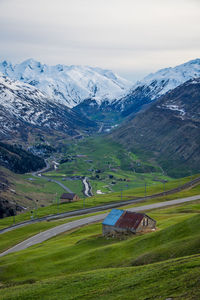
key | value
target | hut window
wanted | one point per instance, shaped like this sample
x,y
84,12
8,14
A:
x,y
145,222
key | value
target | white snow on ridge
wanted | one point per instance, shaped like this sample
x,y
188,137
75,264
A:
x,y
15,98
17,86
69,85
167,79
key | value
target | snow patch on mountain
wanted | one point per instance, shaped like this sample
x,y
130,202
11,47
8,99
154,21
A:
x,y
174,108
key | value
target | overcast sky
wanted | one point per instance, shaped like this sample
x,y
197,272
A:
x,y
131,37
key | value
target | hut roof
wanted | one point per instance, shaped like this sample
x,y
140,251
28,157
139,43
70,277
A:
x,y
129,220
123,219
113,216
69,196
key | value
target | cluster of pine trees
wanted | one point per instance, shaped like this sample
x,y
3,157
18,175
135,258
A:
x,y
19,160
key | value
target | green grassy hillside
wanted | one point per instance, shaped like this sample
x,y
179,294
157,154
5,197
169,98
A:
x,y
177,278
49,190
20,189
84,264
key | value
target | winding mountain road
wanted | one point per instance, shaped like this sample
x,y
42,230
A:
x,y
43,236
59,183
38,174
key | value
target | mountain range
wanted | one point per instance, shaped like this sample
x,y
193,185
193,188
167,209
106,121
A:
x,y
155,85
142,93
68,85
78,86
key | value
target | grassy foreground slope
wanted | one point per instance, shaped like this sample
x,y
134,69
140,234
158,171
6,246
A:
x,y
177,278
83,264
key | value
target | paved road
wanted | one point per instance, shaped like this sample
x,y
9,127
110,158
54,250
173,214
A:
x,y
43,236
38,174
56,181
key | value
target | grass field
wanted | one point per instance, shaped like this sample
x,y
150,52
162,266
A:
x,y
109,167
103,199
177,278
83,264
25,191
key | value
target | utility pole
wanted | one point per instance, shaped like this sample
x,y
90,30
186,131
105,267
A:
x,y
165,181
83,202
36,207
126,187
13,213
57,205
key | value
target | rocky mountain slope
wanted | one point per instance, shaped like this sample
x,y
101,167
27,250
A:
x,y
24,108
69,85
168,130
155,85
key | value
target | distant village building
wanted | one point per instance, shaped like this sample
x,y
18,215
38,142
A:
x,y
123,222
69,197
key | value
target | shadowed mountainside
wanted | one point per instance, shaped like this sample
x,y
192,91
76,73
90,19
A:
x,y
168,130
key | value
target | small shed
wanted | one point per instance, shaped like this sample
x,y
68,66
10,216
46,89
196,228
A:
x,y
123,222
69,197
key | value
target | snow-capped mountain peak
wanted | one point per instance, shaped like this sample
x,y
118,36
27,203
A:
x,y
157,84
169,78
69,85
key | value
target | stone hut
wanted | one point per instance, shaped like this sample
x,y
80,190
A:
x,y
69,197
124,222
